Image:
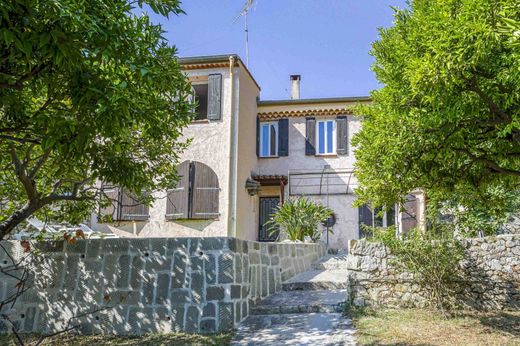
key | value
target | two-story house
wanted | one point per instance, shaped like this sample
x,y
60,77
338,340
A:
x,y
247,155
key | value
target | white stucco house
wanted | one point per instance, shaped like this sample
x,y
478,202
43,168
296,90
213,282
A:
x,y
248,155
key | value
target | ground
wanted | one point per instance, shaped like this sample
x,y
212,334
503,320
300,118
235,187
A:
x,y
178,339
422,327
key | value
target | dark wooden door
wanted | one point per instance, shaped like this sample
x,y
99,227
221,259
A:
x,y
267,206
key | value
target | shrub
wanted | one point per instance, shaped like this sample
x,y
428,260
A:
x,y
432,257
300,217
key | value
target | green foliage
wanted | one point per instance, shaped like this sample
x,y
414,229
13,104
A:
x,y
89,91
300,217
432,257
447,119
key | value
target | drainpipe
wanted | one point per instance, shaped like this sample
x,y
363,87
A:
x,y
233,153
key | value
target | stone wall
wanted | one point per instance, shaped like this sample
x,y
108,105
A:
x,y
490,275
135,286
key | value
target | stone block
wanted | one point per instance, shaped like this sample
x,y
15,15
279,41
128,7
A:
x,y
78,247
209,244
238,312
209,310
236,291
93,248
123,272
158,247
163,285
215,293
210,269
265,282
238,268
192,319
225,268
29,317
177,317
136,272
158,264
197,263
180,262
208,326
180,296
140,246
271,281
116,245
176,245
148,287
71,273
225,316
197,287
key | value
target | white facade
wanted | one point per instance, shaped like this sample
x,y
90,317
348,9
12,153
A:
x,y
228,146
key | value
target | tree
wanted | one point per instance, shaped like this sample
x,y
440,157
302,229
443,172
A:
x,y
447,119
89,92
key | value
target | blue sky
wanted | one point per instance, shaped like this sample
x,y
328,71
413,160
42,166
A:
x,y
325,41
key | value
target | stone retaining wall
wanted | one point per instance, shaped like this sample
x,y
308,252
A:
x,y
150,285
490,273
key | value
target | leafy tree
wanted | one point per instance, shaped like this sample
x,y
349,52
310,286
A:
x,y
447,119
300,217
89,91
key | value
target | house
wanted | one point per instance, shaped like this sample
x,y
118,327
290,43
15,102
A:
x,y
248,155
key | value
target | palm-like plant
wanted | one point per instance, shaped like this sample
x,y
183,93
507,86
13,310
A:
x,y
300,217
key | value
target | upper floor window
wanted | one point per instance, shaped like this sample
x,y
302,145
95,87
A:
x,y
208,97
326,135
201,98
268,139
121,205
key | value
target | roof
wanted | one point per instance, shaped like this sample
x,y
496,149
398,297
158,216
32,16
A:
x,y
314,101
270,179
212,61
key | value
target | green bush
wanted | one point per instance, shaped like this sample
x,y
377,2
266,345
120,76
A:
x,y
432,257
300,217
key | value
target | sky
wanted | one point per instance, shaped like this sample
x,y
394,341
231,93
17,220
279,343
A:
x,y
327,42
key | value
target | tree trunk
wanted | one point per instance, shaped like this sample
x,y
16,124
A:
x,y
18,216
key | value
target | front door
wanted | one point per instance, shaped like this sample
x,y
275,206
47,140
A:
x,y
267,206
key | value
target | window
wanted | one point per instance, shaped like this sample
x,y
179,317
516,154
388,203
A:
x,y
201,98
208,98
326,137
268,139
196,195
371,217
120,205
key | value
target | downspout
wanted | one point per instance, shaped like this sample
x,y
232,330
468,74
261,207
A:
x,y
233,152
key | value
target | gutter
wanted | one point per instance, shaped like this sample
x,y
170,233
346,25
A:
x,y
233,153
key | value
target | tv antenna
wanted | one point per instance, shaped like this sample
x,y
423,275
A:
x,y
243,13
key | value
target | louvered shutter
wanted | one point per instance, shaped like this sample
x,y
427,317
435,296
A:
x,y
365,218
110,194
177,199
204,192
342,135
132,209
214,96
310,134
258,136
283,137
409,216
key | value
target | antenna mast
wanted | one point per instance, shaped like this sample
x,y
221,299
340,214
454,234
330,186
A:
x,y
243,13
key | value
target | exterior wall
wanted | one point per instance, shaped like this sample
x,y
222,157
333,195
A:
x,y
158,285
346,227
210,145
247,160
490,276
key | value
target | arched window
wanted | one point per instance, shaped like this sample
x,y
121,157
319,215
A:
x,y
196,194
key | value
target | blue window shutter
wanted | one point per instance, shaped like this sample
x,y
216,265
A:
x,y
310,134
258,134
283,137
214,96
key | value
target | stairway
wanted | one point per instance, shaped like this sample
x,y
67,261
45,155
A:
x,y
308,311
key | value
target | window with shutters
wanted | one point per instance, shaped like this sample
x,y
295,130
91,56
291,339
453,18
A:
x,y
373,218
326,137
121,205
196,195
208,98
201,99
269,139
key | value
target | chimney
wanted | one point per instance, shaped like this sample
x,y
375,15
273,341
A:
x,y
295,86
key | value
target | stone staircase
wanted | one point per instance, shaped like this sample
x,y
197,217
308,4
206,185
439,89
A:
x,y
308,310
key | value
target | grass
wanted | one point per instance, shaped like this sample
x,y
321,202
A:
x,y
177,339
416,327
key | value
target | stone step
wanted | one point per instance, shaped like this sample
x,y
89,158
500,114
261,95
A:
x,y
318,280
295,329
331,262
290,302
